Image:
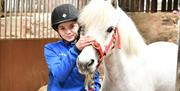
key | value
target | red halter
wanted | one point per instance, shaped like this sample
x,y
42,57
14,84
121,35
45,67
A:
x,y
102,53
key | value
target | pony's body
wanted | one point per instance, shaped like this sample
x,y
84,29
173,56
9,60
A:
x,y
154,71
133,67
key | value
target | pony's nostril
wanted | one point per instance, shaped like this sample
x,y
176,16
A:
x,y
91,62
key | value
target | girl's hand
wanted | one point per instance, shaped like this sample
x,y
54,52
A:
x,y
84,41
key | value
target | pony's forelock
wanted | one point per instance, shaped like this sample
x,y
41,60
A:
x,y
97,12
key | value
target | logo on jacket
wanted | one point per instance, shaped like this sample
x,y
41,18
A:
x,y
62,54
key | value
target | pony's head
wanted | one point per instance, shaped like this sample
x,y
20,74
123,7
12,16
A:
x,y
98,19
104,20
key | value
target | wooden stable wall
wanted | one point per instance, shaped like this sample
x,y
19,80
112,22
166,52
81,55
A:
x,y
148,5
22,64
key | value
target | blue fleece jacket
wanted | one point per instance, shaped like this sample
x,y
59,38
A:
x,y
63,73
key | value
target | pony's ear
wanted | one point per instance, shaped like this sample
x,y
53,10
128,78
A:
x,y
114,3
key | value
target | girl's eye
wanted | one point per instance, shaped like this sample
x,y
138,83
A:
x,y
110,29
73,26
62,28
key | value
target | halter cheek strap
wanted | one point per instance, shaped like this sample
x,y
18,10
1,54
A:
x,y
97,46
102,53
113,39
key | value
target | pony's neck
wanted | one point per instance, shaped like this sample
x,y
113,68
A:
x,y
114,72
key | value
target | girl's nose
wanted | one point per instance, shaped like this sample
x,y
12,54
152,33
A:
x,y
68,31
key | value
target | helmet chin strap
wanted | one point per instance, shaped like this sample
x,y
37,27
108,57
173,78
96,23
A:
x,y
78,35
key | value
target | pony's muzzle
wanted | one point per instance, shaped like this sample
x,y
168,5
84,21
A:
x,y
86,66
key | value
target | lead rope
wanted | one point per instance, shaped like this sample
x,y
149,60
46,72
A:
x,y
89,82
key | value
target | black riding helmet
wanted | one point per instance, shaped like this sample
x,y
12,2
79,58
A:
x,y
63,13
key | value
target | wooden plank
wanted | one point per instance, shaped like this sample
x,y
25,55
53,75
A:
x,y
154,6
126,5
121,3
131,5
142,5
175,5
169,9
136,5
163,6
147,5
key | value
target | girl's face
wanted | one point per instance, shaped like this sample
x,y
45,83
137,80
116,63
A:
x,y
68,30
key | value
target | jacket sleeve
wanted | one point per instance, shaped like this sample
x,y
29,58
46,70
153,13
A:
x,y
97,83
60,67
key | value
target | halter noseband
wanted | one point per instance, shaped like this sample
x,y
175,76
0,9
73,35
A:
x,y
102,53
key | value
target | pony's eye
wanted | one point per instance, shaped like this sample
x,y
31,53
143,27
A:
x,y
110,29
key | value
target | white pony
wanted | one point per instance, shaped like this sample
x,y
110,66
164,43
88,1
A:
x,y
129,64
